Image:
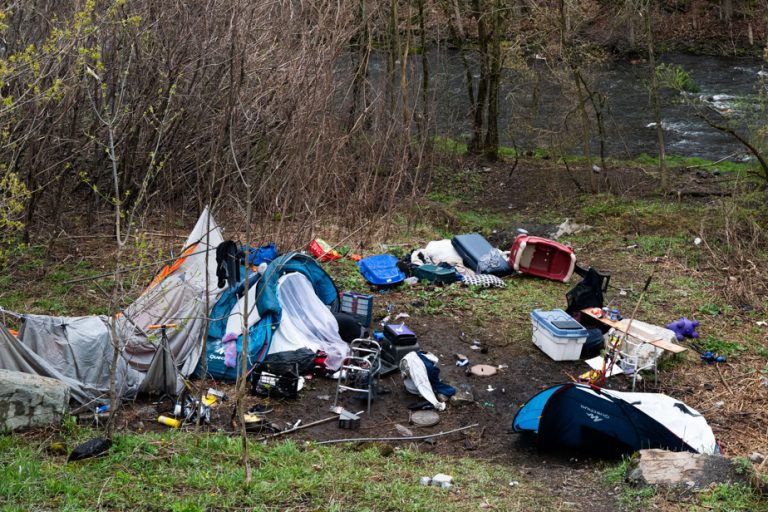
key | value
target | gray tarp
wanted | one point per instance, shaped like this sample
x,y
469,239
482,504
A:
x,y
15,356
78,350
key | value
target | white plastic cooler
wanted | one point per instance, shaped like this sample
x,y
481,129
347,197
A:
x,y
557,334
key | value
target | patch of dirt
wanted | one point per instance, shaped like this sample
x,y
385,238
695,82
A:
x,y
524,370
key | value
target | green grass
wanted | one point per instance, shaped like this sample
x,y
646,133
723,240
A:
x,y
732,498
189,471
481,221
672,162
724,348
631,498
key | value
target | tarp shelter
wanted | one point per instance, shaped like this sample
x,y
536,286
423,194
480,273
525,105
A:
x,y
293,301
604,421
78,350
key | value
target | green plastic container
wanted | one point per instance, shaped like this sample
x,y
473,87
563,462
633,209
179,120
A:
x,y
435,274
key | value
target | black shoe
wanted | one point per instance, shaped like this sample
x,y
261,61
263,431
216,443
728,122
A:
x,y
261,409
421,406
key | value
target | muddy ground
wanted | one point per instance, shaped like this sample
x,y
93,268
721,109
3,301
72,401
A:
x,y
524,371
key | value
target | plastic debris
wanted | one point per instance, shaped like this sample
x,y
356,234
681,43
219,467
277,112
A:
x,y
442,480
461,360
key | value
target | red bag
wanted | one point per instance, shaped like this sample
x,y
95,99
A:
x,y
322,251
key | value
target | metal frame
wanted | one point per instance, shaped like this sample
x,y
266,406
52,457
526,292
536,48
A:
x,y
360,371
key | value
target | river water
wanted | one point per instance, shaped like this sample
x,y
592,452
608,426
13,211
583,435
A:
x,y
729,85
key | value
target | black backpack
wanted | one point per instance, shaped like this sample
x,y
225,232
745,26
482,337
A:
x,y
588,293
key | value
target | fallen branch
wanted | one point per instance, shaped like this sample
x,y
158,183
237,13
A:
x,y
300,427
408,438
723,378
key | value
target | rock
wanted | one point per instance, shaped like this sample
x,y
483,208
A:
x,y
757,457
403,431
690,471
30,401
464,395
425,418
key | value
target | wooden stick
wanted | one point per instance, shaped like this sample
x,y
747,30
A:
x,y
408,438
723,378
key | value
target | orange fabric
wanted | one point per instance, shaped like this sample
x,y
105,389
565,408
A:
x,y
14,332
169,269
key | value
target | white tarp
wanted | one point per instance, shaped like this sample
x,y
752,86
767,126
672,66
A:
x,y
684,421
306,321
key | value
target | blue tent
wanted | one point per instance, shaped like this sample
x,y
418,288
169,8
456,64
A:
x,y
583,417
269,309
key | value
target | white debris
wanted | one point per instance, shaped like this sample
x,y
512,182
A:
x,y
568,227
441,480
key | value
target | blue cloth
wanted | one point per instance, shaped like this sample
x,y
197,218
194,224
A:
x,y
433,373
264,254
593,345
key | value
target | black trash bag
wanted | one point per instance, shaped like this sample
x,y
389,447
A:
x,y
93,448
300,361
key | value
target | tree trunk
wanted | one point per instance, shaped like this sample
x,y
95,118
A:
x,y
656,103
394,52
491,148
425,88
586,129
726,8
476,145
457,32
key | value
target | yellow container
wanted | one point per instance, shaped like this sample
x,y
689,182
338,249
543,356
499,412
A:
x,y
171,422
